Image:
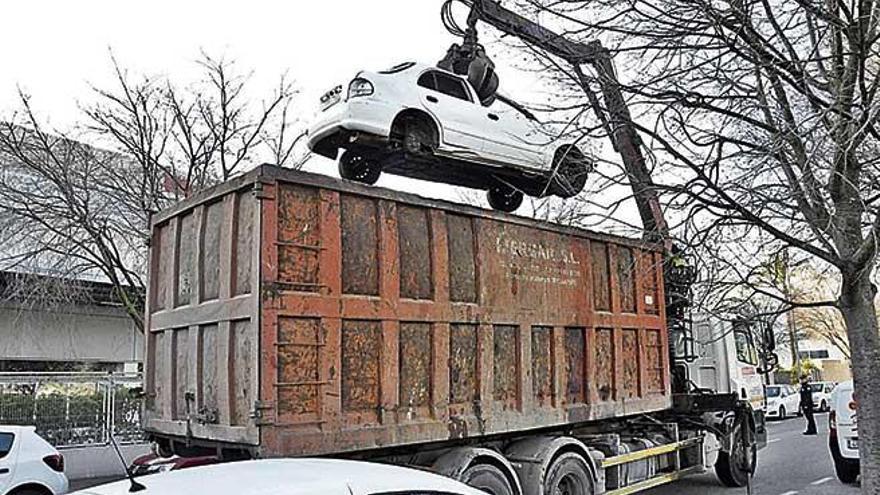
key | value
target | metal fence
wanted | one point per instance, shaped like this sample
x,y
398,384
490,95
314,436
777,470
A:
x,y
74,409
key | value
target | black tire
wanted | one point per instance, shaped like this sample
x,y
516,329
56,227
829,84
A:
x,y
847,470
505,198
823,406
356,167
782,412
732,468
30,491
569,475
488,478
569,172
415,135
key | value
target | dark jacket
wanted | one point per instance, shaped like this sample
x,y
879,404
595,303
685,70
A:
x,y
806,395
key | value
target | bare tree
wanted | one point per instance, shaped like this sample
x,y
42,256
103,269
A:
x,y
84,209
762,116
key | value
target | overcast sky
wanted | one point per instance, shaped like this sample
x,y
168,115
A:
x,y
56,49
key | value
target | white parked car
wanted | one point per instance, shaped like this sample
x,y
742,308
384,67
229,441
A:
x,y
28,464
822,395
843,433
424,122
291,477
782,401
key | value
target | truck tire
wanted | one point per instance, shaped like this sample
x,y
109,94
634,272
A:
x,y
488,478
732,467
569,475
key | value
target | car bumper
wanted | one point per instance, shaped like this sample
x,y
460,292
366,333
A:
x,y
847,441
366,115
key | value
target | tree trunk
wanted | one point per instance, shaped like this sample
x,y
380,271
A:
x,y
857,306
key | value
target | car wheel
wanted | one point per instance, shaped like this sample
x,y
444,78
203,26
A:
x,y
847,470
569,172
823,406
356,167
415,134
488,478
781,412
505,198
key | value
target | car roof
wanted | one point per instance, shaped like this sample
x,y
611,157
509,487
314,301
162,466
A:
x,y
17,429
289,476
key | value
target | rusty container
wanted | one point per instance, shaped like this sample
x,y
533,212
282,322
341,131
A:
x,y
296,314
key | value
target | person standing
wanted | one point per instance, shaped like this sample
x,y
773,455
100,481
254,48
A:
x,y
807,404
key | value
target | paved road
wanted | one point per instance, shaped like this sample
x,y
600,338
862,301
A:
x,y
791,464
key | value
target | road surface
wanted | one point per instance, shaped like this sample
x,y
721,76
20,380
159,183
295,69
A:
x,y
791,464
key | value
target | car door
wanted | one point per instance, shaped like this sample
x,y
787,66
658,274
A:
x,y
8,453
794,400
512,138
448,98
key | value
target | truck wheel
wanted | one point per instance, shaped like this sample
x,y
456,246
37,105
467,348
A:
x,y
505,198
569,475
569,171
356,167
488,478
734,468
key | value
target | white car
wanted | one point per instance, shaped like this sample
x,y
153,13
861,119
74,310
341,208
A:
x,y
28,464
291,477
843,433
782,401
822,395
424,122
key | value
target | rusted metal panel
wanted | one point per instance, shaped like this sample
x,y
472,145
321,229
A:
x,y
211,251
245,233
625,271
186,249
604,363
414,241
463,380
180,378
333,318
462,260
361,341
415,361
630,363
505,374
360,245
575,365
299,237
654,358
300,349
601,276
542,366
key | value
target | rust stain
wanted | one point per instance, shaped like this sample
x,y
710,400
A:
x,y
299,236
626,280
601,278
462,261
542,367
414,239
654,358
415,366
505,369
298,348
360,245
462,363
604,360
575,365
630,348
361,342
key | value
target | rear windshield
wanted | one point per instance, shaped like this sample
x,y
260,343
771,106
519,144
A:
x,y
5,443
773,391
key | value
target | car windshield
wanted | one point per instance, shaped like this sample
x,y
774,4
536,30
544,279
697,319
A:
x,y
773,391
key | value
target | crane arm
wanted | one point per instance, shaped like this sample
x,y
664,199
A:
x,y
616,116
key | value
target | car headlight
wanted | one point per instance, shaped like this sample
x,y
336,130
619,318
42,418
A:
x,y
360,87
